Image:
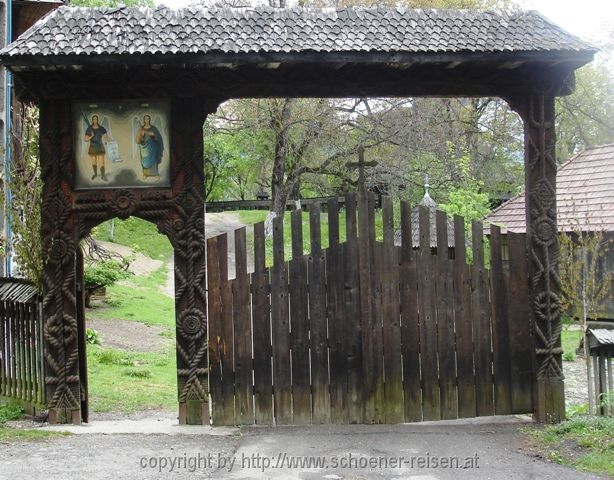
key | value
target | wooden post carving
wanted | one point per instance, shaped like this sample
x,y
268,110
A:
x,y
537,112
59,242
68,216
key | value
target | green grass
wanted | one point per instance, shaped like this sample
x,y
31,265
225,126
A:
x,y
585,443
570,340
127,381
139,298
138,234
12,411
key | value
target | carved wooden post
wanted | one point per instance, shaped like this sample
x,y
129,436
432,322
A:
x,y
59,241
185,227
537,112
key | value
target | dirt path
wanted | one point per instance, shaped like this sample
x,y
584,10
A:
x,y
216,224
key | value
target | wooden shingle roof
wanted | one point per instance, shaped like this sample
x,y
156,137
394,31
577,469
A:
x,y
74,31
585,195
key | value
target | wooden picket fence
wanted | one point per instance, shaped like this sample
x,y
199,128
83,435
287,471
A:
x,y
368,331
21,344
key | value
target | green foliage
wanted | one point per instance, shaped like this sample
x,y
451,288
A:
x,y
92,336
583,442
141,298
10,411
122,381
569,356
139,234
24,214
137,372
105,273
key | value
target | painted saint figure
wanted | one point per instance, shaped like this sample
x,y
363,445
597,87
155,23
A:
x,y
97,135
151,147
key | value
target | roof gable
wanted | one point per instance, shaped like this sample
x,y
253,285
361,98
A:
x,y
585,195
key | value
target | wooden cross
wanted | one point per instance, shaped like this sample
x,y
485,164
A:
x,y
361,164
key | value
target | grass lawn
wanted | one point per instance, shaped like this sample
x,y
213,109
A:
x,y
585,443
127,381
8,434
122,381
138,234
139,298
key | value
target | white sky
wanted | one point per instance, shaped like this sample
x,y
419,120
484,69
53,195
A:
x,y
587,19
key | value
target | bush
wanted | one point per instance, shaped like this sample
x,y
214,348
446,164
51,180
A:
x,y
92,336
569,356
115,357
136,373
105,273
10,411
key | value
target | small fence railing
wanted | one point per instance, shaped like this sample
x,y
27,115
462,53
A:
x,y
21,344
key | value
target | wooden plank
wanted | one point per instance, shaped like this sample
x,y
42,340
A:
x,y
366,263
261,325
4,350
19,342
391,319
500,325
242,334
227,333
462,319
428,327
445,322
603,385
521,341
353,334
376,252
317,322
481,326
610,380
280,323
410,331
299,326
27,352
216,338
13,392
336,318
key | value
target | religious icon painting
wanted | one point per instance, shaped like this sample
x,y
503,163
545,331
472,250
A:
x,y
121,144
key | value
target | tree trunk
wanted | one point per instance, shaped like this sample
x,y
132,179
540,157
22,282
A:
x,y
279,190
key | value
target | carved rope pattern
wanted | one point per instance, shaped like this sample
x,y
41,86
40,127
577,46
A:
x,y
544,243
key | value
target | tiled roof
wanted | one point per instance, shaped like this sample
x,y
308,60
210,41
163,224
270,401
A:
x,y
123,30
585,195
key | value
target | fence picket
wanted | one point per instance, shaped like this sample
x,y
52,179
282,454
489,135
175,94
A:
x,y
445,322
242,334
353,334
261,326
282,391
317,322
481,325
428,328
299,325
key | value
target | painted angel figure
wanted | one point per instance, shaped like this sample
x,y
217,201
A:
x,y
97,136
150,145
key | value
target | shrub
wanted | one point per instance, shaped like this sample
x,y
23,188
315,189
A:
x,y
93,337
569,356
137,373
105,273
114,357
10,411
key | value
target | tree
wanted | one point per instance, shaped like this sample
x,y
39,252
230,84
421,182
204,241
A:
x,y
25,185
583,281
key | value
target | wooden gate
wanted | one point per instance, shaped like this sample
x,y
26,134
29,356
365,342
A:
x,y
378,327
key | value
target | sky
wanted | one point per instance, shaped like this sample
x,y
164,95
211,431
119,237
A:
x,y
587,19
